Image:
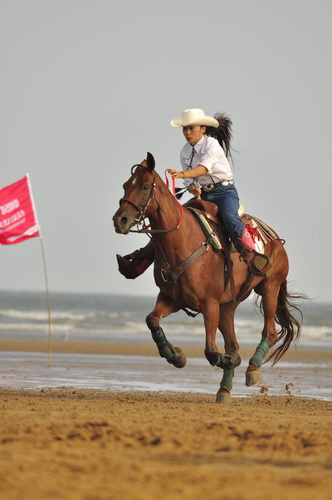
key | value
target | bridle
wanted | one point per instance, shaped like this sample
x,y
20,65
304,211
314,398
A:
x,y
175,273
142,209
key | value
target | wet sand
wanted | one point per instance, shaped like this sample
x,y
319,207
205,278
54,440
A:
x,y
302,352
80,444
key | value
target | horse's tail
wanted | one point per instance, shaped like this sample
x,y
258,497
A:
x,y
223,133
290,326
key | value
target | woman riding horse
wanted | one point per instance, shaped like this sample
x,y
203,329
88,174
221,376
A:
x,y
208,175
191,274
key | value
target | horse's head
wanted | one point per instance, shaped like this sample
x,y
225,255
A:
x,y
138,193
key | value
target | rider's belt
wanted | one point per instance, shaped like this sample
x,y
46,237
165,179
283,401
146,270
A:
x,y
209,187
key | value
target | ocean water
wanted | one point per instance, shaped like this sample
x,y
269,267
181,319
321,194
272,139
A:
x,y
94,317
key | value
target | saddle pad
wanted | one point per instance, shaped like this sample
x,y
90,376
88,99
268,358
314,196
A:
x,y
207,228
265,232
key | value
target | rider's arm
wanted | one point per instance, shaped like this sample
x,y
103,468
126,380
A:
x,y
190,173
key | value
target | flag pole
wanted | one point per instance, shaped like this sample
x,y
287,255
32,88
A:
x,y
48,304
17,201
45,275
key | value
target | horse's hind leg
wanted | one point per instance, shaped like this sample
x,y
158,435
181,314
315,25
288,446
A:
x,y
226,326
163,308
269,295
215,316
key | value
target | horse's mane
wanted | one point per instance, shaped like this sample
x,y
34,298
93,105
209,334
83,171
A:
x,y
223,133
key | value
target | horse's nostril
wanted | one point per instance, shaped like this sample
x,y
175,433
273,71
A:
x,y
120,223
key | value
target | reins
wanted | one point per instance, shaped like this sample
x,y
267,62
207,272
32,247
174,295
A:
x,y
168,275
142,209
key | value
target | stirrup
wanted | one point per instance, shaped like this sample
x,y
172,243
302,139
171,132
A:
x,y
259,264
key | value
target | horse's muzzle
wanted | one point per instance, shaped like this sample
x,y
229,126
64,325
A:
x,y
123,222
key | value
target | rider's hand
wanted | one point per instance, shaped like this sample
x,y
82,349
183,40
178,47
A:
x,y
176,174
194,190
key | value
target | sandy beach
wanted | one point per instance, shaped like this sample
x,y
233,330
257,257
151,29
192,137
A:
x,y
87,444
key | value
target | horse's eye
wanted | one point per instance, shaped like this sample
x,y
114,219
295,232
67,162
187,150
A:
x,y
146,187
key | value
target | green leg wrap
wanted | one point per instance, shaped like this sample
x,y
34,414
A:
x,y
227,379
164,347
261,351
227,360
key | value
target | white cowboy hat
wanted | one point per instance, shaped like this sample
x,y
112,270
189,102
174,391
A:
x,y
194,117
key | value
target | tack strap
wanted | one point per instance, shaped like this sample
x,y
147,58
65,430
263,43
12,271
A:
x,y
173,191
253,232
146,228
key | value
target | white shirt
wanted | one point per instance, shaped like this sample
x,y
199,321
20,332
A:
x,y
210,154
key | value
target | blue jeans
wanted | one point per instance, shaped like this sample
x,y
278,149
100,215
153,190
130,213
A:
x,y
227,200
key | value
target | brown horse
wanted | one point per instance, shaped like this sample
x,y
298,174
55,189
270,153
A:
x,y
190,275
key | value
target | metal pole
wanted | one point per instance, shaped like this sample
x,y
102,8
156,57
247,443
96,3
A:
x,y
48,305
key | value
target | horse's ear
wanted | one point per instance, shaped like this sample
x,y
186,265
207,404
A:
x,y
150,162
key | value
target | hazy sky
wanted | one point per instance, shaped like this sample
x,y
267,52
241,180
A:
x,y
89,86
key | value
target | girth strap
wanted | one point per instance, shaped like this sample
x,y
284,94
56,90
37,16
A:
x,y
246,285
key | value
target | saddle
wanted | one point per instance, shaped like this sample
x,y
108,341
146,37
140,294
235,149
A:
x,y
134,264
206,214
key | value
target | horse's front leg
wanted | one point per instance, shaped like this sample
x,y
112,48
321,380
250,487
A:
x,y
163,308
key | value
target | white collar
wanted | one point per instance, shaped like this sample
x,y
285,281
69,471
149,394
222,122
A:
x,y
198,146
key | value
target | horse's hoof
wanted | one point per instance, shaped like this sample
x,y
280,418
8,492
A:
x,y
223,397
179,360
253,377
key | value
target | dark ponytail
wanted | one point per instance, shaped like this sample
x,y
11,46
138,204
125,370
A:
x,y
223,133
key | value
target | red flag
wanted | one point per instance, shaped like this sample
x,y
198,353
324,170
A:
x,y
18,218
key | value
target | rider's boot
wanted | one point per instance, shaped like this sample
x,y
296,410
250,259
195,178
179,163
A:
x,y
258,263
136,263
